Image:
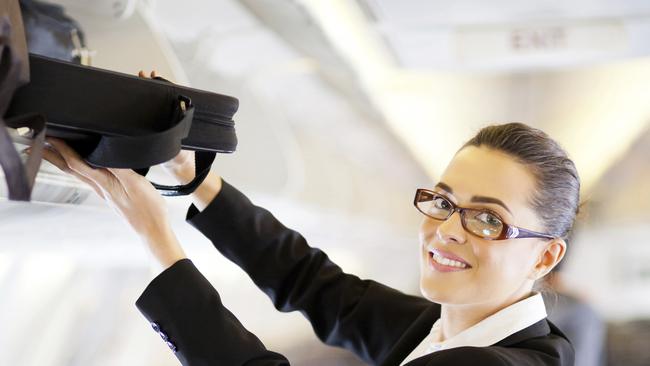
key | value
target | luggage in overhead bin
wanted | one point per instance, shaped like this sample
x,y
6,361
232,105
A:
x,y
51,32
111,119
103,112
122,121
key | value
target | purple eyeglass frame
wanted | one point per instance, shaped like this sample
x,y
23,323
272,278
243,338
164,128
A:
x,y
507,231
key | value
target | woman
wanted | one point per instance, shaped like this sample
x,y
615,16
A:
x,y
496,222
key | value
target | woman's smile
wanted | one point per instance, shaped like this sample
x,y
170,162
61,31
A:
x,y
443,261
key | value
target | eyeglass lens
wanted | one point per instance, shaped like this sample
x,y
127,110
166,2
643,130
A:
x,y
479,222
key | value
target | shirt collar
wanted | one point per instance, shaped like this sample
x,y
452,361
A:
x,y
494,328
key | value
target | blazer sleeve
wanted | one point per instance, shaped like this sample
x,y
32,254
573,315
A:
x,y
379,324
186,311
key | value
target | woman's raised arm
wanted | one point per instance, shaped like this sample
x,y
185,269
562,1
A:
x,y
379,324
180,303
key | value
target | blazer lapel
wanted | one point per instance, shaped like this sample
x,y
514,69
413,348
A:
x,y
412,338
539,329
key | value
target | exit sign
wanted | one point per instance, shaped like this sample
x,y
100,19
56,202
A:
x,y
538,39
538,45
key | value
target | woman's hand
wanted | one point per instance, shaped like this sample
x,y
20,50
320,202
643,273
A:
x,y
128,193
181,167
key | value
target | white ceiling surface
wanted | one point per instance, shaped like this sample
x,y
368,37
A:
x,y
475,34
576,100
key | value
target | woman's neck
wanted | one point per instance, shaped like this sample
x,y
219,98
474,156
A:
x,y
456,318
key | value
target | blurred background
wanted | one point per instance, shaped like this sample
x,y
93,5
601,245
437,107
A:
x,y
346,107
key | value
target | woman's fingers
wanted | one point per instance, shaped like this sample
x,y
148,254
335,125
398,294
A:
x,y
105,183
57,160
127,178
152,74
75,162
124,175
111,181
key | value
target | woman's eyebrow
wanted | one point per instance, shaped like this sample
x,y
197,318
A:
x,y
481,199
484,199
445,187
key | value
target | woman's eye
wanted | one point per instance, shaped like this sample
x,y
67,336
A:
x,y
441,203
488,218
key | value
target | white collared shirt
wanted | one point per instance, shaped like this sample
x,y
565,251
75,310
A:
x,y
488,331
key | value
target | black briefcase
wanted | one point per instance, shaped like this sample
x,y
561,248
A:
x,y
123,121
115,120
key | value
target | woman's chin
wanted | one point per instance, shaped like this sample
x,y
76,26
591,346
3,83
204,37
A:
x,y
444,292
440,287
434,293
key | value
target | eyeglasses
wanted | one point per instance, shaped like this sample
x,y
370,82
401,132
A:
x,y
483,223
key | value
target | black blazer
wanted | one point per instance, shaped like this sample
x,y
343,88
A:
x,y
379,324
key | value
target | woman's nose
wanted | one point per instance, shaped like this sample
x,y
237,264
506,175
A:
x,y
451,230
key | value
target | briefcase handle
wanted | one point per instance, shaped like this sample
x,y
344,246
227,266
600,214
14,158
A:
x,y
202,163
143,151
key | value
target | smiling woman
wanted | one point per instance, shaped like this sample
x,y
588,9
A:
x,y
498,221
516,184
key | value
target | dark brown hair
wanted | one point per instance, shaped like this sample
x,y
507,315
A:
x,y
557,193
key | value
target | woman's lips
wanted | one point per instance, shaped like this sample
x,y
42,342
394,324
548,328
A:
x,y
446,262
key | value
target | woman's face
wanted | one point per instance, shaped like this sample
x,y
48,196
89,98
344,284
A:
x,y
496,270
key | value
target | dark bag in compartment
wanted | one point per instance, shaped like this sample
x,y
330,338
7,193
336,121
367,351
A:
x,y
50,32
85,105
123,121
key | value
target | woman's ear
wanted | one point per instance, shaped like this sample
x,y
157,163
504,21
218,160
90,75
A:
x,y
551,254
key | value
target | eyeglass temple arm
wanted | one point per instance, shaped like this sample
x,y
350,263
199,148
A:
x,y
517,232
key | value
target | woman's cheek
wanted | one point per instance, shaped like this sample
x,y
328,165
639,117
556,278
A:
x,y
501,271
492,273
